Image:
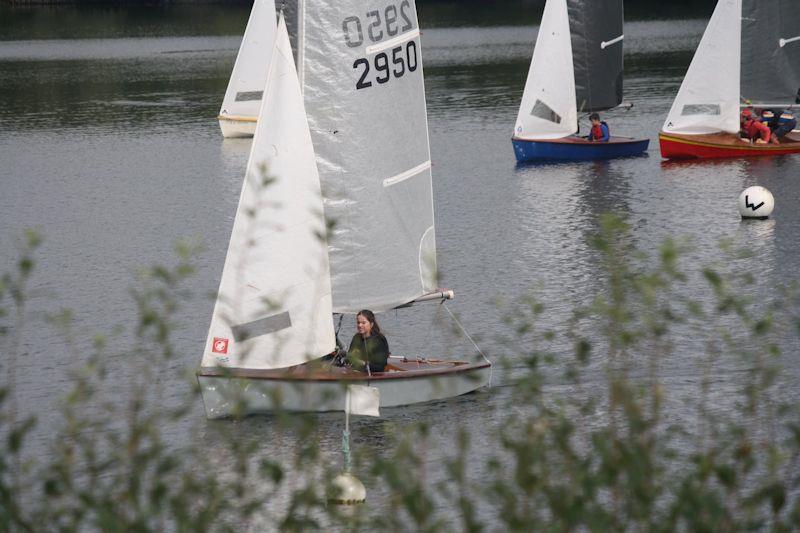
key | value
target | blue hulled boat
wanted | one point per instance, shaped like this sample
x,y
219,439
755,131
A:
x,y
574,148
576,65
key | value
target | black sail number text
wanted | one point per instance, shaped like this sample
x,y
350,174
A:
x,y
386,65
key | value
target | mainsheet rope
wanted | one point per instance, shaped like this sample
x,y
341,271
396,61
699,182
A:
x,y
468,336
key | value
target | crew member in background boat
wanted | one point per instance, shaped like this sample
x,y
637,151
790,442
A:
x,y
369,349
599,131
780,122
753,130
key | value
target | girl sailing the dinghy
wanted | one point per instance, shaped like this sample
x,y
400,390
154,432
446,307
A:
x,y
369,349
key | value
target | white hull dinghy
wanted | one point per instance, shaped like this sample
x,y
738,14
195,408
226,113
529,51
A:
x,y
297,256
320,387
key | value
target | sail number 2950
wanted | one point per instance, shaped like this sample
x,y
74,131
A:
x,y
380,25
403,58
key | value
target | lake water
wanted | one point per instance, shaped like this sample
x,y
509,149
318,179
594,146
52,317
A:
x,y
110,148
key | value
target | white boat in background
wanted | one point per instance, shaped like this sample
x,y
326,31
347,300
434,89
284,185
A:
x,y
237,117
352,125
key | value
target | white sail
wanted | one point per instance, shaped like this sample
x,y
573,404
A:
x,y
365,97
273,309
708,100
249,75
548,108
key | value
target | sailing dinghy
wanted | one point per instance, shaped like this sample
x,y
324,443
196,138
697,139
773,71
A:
x,y
237,117
749,52
576,67
347,147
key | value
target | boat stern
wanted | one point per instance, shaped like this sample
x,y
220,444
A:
x,y
236,126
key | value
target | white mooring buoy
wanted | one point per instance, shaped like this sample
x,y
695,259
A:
x,y
756,202
346,489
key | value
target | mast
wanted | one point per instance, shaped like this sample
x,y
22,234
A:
x,y
301,43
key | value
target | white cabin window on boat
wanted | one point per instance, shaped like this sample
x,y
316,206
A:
x,y
701,109
545,112
249,96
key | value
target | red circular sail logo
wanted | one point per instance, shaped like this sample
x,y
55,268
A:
x,y
219,345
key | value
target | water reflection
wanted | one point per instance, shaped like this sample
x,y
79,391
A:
x,y
113,152
104,86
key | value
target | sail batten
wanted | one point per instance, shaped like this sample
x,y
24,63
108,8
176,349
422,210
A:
x,y
374,49
407,174
606,44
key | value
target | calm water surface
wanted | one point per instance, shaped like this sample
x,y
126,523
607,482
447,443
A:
x,y
109,147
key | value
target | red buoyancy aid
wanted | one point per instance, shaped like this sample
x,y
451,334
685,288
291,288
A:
x,y
756,130
597,131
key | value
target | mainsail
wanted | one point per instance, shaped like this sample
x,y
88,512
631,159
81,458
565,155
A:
x,y
365,98
246,85
548,108
596,32
771,51
273,309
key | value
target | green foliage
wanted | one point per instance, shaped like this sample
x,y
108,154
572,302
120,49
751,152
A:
x,y
604,457
585,441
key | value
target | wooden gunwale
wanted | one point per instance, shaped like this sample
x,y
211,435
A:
x,y
730,141
316,371
574,140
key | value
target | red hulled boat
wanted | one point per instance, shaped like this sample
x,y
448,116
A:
x,y
743,59
718,145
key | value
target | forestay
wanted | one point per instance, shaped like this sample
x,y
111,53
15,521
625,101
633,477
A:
x,y
771,51
548,108
246,86
596,36
708,100
273,309
365,98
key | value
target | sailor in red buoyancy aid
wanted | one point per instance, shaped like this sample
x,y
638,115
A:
x,y
753,130
599,131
